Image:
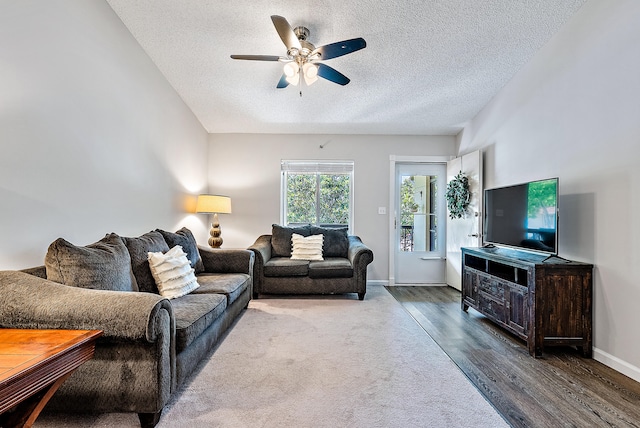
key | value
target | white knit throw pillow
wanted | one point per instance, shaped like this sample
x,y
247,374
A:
x,y
173,273
306,248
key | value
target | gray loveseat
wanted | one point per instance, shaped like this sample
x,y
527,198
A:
x,y
342,270
150,344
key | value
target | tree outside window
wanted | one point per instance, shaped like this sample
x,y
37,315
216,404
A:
x,y
301,200
317,193
408,205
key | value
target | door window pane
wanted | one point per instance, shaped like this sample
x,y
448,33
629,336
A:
x,y
418,213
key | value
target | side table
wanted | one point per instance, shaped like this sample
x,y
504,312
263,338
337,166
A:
x,y
33,365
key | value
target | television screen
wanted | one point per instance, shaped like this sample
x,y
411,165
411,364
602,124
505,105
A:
x,y
523,216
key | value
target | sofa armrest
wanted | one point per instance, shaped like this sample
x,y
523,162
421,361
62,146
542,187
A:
x,y
359,254
262,249
28,301
40,271
226,261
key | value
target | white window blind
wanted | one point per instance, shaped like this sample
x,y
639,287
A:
x,y
335,167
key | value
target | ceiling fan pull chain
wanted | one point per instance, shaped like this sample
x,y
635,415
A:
x,y
300,71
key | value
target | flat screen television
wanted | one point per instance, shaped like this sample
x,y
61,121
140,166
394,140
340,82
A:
x,y
523,216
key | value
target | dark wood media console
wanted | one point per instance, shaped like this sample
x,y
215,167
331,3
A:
x,y
545,302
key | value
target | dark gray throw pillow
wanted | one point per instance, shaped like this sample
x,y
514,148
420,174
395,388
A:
x,y
187,241
336,241
281,239
139,249
103,265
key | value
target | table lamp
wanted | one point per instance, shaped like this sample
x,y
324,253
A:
x,y
214,204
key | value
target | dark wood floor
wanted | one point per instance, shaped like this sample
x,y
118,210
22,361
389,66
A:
x,y
561,389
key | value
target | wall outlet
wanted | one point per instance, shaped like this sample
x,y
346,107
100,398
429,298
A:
x,y
382,210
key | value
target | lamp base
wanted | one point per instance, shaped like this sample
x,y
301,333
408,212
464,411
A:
x,y
215,238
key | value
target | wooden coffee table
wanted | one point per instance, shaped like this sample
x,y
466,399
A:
x,y
33,365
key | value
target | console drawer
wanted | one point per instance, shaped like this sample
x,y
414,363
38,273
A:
x,y
493,287
491,307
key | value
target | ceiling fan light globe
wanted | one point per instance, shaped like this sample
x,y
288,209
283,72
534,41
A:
x,y
310,72
293,80
291,69
291,72
309,80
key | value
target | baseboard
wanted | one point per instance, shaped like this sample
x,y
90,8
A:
x,y
617,364
383,282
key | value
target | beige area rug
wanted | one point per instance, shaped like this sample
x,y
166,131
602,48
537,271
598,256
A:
x,y
320,362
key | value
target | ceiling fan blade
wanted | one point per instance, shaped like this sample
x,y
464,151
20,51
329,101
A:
x,y
257,57
285,32
283,83
334,50
332,74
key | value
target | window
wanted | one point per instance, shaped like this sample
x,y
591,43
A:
x,y
317,192
419,213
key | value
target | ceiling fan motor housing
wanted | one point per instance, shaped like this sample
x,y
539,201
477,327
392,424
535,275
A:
x,y
302,33
301,55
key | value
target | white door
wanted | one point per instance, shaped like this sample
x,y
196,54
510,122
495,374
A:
x,y
467,231
419,212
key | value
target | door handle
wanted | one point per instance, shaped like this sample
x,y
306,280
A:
x,y
474,235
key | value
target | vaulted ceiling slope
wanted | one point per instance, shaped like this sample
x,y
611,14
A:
x,y
428,68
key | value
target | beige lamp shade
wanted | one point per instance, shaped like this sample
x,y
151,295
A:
x,y
213,204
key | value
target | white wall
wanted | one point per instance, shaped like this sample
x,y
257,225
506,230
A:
x,y
92,137
573,112
246,167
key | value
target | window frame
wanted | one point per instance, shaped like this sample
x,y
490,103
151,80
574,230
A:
x,y
318,167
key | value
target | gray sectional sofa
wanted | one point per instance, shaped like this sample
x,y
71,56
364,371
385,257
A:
x,y
150,344
343,268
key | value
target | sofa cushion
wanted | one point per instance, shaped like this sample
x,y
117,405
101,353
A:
x,y
306,247
281,239
284,266
103,265
336,240
186,240
173,273
331,267
194,314
139,248
231,285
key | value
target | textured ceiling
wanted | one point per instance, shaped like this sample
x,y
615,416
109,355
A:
x,y
428,68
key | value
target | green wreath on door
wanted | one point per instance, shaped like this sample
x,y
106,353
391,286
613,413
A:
x,y
458,196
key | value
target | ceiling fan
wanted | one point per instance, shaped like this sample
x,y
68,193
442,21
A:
x,y
303,58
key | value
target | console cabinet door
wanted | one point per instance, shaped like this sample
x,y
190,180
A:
x,y
518,309
469,288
